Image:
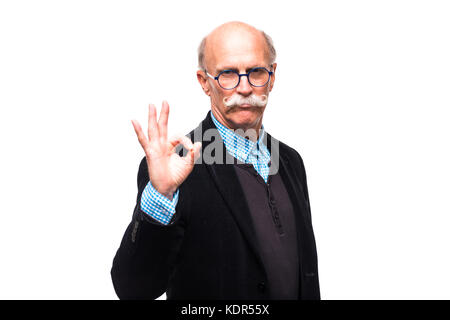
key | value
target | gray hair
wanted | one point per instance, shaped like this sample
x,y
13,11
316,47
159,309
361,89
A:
x,y
269,42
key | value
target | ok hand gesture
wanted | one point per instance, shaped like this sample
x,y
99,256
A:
x,y
166,169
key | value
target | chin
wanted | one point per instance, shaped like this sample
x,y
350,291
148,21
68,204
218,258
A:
x,y
245,118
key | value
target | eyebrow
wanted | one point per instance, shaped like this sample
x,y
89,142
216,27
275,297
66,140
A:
x,y
220,69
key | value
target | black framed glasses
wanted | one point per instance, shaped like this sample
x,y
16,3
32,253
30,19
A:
x,y
230,79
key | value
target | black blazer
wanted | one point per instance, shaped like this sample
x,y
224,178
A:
x,y
209,250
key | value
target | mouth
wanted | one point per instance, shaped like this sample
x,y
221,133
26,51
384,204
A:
x,y
243,108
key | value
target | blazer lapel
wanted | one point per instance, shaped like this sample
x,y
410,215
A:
x,y
291,182
228,184
305,236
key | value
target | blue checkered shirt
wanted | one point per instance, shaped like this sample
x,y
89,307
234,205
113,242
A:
x,y
256,153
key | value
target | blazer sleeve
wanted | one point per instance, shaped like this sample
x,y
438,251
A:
x,y
145,258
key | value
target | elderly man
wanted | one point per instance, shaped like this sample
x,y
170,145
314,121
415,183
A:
x,y
205,227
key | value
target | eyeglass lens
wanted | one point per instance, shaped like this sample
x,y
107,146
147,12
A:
x,y
257,77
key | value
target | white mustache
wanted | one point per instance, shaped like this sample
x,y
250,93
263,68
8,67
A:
x,y
238,100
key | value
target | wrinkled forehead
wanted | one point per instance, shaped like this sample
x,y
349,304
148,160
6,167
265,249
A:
x,y
235,48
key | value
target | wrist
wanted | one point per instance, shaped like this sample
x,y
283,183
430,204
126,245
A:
x,y
168,195
167,192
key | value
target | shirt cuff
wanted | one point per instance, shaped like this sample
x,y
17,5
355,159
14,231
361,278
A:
x,y
158,206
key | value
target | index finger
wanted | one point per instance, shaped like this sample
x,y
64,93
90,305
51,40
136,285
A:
x,y
185,141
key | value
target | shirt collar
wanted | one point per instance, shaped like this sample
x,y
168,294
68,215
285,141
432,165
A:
x,y
240,147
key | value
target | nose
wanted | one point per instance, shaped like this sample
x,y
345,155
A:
x,y
244,88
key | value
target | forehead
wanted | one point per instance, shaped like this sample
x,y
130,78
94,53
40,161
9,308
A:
x,y
236,49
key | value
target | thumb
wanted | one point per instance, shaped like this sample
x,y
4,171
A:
x,y
195,151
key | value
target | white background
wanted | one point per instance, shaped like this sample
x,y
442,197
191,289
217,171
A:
x,y
362,92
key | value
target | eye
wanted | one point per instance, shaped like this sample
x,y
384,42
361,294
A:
x,y
258,71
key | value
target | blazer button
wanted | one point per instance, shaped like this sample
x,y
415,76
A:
x,y
272,201
262,286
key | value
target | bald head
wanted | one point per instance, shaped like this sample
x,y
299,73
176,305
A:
x,y
234,33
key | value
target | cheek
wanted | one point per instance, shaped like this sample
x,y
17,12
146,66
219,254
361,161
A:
x,y
264,90
218,96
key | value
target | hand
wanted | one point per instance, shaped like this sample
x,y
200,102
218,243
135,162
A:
x,y
166,169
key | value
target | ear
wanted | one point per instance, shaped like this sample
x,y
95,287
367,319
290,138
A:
x,y
272,77
203,80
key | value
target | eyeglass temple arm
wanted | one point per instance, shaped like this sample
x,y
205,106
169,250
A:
x,y
206,72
